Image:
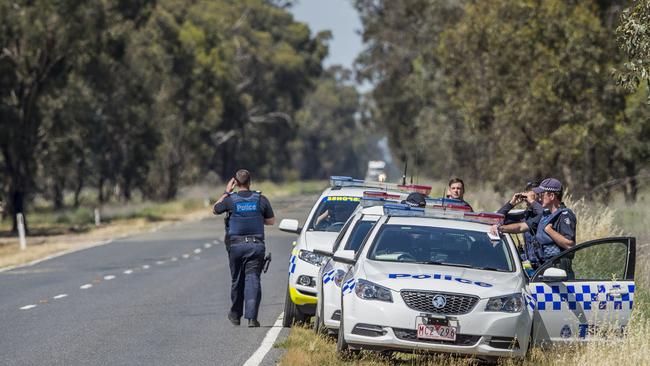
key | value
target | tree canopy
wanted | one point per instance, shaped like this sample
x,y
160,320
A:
x,y
150,95
507,91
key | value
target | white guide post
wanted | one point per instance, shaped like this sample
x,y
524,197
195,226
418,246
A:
x,y
98,218
21,231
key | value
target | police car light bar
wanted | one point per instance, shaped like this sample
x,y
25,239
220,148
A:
x,y
447,204
439,213
379,198
344,181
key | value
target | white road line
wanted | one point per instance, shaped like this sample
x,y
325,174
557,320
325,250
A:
x,y
86,286
216,241
197,251
174,259
267,343
128,271
60,296
146,266
207,245
160,262
186,256
27,307
109,277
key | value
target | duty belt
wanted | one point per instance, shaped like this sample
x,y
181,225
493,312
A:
x,y
246,239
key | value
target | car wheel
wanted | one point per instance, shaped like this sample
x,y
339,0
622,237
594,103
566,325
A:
x,y
342,347
319,320
289,311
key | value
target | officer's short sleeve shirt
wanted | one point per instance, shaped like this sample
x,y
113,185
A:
x,y
227,206
566,225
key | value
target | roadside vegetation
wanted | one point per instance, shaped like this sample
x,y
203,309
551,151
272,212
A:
x,y
304,347
53,231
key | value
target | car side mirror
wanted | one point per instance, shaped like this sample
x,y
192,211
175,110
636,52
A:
x,y
323,252
553,274
346,257
290,226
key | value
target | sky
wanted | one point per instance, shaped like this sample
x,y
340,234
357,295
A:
x,y
339,17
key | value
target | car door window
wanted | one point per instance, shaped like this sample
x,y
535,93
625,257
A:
x,y
600,262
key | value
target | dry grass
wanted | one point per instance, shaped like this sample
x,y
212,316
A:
x,y
55,232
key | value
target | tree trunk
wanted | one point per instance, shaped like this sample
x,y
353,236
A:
x,y
80,183
57,189
632,185
100,190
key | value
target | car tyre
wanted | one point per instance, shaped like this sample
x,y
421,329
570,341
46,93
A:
x,y
292,315
289,311
342,347
319,324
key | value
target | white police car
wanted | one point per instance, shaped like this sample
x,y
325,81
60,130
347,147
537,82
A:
x,y
349,240
435,280
325,220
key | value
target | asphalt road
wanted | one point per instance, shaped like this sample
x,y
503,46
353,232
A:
x,y
158,298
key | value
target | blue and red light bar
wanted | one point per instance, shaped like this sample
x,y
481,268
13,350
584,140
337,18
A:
x,y
379,198
393,209
344,181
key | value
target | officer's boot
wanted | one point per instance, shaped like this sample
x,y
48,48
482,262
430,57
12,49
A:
x,y
253,323
234,319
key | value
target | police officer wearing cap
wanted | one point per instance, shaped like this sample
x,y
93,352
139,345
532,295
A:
x,y
248,212
555,227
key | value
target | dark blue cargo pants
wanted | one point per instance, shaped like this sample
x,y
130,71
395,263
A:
x,y
246,260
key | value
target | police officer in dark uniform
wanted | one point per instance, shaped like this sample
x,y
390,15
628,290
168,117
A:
x,y
248,212
533,209
555,227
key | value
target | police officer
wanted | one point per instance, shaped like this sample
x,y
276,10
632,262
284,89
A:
x,y
248,212
555,227
456,190
533,209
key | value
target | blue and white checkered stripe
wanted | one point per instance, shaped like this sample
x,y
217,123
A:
x,y
530,301
586,296
329,276
348,286
292,263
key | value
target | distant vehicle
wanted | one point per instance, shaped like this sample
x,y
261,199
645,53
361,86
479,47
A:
x,y
376,171
438,281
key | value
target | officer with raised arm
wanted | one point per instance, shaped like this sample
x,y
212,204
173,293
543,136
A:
x,y
532,210
248,212
555,227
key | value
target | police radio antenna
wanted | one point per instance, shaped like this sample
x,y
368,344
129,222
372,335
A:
x,y
406,164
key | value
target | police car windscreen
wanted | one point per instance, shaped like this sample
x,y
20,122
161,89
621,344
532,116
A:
x,y
333,212
440,246
357,235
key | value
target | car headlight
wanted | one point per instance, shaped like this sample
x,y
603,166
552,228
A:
x,y
371,291
510,303
338,277
311,257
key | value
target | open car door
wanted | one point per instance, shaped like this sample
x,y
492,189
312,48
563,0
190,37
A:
x,y
584,289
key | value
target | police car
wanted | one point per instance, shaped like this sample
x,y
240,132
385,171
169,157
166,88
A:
x,y
437,280
349,240
326,218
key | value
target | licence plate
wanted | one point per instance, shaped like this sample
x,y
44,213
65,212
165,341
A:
x,y
437,332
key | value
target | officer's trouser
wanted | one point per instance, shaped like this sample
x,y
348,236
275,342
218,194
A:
x,y
246,260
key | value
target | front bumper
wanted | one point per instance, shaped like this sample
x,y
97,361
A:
x,y
480,333
301,294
